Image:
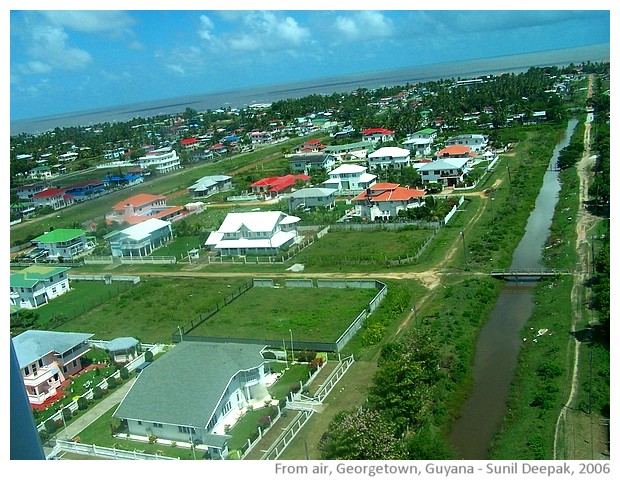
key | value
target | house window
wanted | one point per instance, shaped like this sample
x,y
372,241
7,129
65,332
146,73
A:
x,y
139,422
158,425
226,408
41,362
74,363
27,371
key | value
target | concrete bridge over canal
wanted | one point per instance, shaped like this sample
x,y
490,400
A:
x,y
527,273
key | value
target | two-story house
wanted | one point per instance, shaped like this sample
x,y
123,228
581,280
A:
x,y
56,198
350,178
140,239
476,142
307,163
447,171
36,285
251,233
356,151
143,207
63,242
376,135
389,157
46,359
383,201
162,160
273,186
420,142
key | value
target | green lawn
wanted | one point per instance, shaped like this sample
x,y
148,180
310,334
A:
x,y
312,314
367,247
152,310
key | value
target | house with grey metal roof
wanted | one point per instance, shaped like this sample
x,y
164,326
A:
x,y
123,349
140,239
210,185
194,392
36,285
46,359
310,198
309,162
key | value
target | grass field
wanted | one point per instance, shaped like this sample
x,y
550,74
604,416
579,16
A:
x,y
152,310
311,314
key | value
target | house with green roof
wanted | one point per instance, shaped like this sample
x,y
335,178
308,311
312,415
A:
x,y
66,243
194,392
420,142
349,152
46,359
37,285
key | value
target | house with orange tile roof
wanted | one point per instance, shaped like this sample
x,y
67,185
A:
x,y
142,207
273,186
455,151
383,201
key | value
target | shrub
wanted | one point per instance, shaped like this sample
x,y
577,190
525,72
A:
x,y
50,426
112,383
82,403
97,393
148,356
66,413
264,421
124,373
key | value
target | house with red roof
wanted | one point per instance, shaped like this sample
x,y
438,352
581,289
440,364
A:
x,y
189,143
56,198
376,135
311,146
142,207
383,201
273,186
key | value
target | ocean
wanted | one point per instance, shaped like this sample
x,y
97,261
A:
x,y
267,94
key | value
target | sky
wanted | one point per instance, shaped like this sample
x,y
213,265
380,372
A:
x,y
67,60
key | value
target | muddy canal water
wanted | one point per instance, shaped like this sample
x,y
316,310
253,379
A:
x,y
500,339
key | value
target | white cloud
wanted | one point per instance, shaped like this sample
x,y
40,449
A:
x,y
364,25
89,21
206,27
267,31
49,44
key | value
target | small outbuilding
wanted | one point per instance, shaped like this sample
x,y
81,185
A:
x,y
123,349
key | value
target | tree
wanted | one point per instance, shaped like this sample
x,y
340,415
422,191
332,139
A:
x,y
362,434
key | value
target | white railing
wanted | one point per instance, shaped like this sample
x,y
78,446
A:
x,y
103,452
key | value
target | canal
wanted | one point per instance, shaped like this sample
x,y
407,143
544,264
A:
x,y
498,345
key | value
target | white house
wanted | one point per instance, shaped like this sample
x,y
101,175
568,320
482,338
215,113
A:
x,y
386,157
447,171
307,163
351,151
162,160
63,242
243,233
420,143
140,239
36,285
476,142
383,201
194,391
350,178
376,135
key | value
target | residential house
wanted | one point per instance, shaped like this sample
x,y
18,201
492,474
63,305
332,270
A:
x,y
46,359
310,198
448,171
356,151
253,233
37,285
86,190
389,157
311,146
307,163
194,392
162,160
210,185
455,151
273,186
376,135
143,207
420,143
140,239
189,144
41,172
476,142
65,243
260,137
25,192
383,201
350,178
56,198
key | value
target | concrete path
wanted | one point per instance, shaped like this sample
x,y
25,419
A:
x,y
94,412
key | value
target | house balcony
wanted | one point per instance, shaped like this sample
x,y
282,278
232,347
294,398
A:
x,y
43,375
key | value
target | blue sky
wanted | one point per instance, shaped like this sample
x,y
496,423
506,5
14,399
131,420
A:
x,y
66,60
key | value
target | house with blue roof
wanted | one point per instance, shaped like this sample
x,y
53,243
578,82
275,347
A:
x,y
46,359
194,392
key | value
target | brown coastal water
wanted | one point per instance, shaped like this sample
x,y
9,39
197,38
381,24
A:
x,y
500,339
